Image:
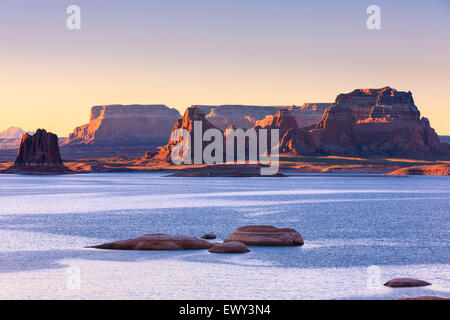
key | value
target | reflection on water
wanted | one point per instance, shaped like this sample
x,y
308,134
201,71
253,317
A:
x,y
348,224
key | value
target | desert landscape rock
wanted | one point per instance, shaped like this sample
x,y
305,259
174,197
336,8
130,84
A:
x,y
406,282
157,241
266,236
305,116
125,125
229,247
363,122
186,122
38,153
428,170
246,116
239,116
209,236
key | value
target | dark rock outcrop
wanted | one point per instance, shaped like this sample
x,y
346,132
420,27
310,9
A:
x,y
39,153
266,236
406,282
158,241
229,247
426,298
209,236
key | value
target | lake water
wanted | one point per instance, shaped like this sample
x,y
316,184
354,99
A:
x,y
359,232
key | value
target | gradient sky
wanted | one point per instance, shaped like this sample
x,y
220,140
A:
x,y
180,53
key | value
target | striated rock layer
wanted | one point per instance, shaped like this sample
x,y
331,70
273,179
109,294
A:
x,y
39,153
125,125
245,117
364,122
239,116
306,115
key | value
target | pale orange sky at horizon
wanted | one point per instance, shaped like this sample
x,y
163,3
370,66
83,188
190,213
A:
x,y
181,55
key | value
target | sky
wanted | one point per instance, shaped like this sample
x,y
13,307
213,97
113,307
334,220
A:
x,y
180,53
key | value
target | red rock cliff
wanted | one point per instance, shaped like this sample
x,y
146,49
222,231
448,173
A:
x,y
366,122
186,122
125,125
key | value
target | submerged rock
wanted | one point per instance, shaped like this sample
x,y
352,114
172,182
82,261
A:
x,y
426,298
229,247
406,282
266,236
158,241
209,236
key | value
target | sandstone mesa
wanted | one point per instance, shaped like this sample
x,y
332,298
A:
x,y
125,125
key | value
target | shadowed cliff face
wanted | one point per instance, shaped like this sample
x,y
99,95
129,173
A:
x,y
125,125
40,149
38,154
364,122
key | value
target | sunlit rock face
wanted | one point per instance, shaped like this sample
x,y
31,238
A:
x,y
378,121
239,116
125,125
191,115
306,115
245,117
365,122
293,139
